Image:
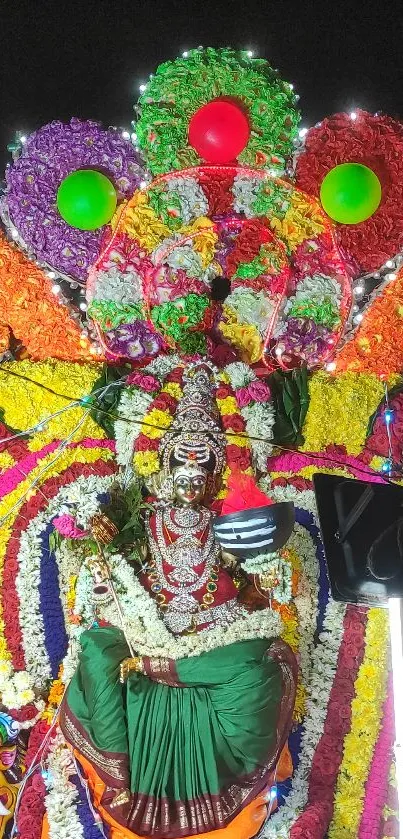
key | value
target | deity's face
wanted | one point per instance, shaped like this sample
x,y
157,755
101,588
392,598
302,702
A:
x,y
189,486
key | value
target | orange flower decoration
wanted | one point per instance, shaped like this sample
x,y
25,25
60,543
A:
x,y
377,346
32,312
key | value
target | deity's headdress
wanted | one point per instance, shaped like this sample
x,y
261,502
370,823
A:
x,y
195,434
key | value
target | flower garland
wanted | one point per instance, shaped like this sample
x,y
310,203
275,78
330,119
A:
x,y
377,784
44,470
377,142
48,156
62,795
181,87
359,744
339,410
376,346
253,400
26,404
37,319
148,633
159,416
81,496
32,806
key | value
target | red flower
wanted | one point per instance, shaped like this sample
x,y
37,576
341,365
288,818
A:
x,y
175,375
146,444
223,391
218,189
237,456
164,402
233,422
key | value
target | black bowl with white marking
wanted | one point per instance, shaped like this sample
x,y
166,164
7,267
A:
x,y
257,531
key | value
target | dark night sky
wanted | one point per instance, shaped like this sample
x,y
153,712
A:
x,y
63,59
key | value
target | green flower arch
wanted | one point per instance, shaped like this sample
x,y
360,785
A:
x,y
179,88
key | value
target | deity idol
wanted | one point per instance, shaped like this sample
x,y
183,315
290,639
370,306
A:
x,y
179,746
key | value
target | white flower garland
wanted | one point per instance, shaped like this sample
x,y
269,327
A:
x,y
252,307
324,669
147,632
133,405
117,286
81,495
60,801
15,687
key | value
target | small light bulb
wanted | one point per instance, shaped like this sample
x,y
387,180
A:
x,y
391,276
250,53
331,366
56,288
185,54
126,135
353,115
142,88
359,289
83,307
390,263
51,275
14,233
356,308
23,139
376,275
303,132
143,184
387,466
358,318
291,86
388,416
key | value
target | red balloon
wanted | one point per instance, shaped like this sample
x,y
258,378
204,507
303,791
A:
x,y
219,131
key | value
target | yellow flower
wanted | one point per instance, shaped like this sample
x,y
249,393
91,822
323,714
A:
x,y
173,388
366,712
41,473
6,461
141,223
155,423
205,241
302,220
339,410
146,463
237,440
228,406
26,403
244,336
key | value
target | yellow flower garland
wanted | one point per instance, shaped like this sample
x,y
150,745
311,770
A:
x,y
65,459
245,336
302,220
359,744
339,410
25,404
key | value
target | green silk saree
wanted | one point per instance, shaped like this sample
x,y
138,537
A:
x,y
195,740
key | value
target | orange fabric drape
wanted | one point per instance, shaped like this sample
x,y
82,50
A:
x,y
245,826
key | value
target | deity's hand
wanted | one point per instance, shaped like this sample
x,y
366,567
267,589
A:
x,y
229,561
130,665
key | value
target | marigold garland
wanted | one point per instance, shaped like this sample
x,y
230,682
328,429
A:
x,y
34,314
370,691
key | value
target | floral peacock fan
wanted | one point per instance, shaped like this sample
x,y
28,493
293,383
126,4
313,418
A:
x,y
208,307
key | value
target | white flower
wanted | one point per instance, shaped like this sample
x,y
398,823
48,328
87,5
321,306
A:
x,y
240,374
117,286
133,406
254,307
192,198
245,190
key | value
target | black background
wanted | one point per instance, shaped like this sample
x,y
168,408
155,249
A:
x,y
87,59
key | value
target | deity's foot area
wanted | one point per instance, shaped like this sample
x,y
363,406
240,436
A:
x,y
201,407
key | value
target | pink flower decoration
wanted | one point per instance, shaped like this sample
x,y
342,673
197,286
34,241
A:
x,y
148,383
259,391
243,397
67,527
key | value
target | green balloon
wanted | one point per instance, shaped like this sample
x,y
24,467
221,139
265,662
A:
x,y
350,193
86,199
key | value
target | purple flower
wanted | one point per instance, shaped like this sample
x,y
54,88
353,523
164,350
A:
x,y
49,155
134,340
